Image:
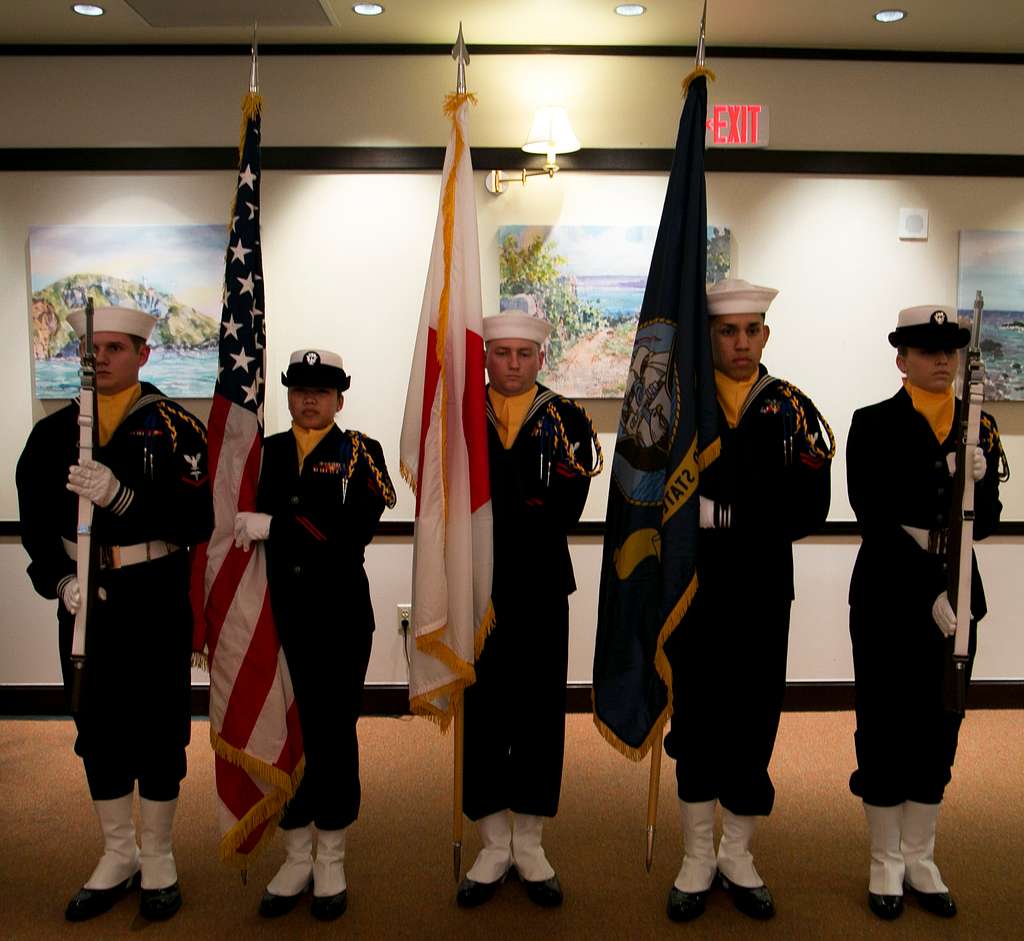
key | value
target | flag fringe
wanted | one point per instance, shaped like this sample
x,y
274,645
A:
x,y
256,767
696,73
421,704
267,811
454,100
484,630
201,660
252,104
661,664
408,476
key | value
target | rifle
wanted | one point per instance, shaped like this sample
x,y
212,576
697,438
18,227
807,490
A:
x,y
88,559
960,545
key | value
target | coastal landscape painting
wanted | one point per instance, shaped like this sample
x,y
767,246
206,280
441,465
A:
x,y
993,262
173,272
588,281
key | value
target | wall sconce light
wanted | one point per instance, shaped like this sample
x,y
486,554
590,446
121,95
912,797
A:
x,y
550,134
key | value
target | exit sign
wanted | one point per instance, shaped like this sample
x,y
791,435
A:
x,y
738,126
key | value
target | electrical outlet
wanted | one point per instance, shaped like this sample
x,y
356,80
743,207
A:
x,y
404,618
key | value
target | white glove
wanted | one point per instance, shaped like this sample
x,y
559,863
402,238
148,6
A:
x,y
93,480
978,464
707,513
71,595
944,615
250,528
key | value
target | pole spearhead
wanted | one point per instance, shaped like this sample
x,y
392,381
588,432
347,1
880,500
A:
x,y
254,73
461,55
700,41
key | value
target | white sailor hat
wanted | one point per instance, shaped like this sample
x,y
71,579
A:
x,y
512,325
736,296
315,368
929,327
135,323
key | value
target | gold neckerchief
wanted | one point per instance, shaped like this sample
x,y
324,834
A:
x,y
732,394
510,411
113,408
936,407
306,439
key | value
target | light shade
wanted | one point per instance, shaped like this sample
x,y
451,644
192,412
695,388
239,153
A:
x,y
551,133
88,9
890,16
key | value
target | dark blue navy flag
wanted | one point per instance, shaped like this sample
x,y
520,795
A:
x,y
667,433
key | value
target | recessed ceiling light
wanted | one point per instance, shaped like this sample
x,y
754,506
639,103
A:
x,y
890,16
367,9
631,9
88,9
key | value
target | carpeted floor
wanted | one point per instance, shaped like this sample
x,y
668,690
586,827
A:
x,y
812,851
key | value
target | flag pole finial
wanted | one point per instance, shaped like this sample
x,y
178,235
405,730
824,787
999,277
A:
x,y
461,55
700,41
254,74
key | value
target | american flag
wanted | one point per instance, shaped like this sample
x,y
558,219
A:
x,y
254,726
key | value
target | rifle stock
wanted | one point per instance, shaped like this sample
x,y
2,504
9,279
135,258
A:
x,y
960,545
87,557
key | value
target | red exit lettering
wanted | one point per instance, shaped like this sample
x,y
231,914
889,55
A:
x,y
736,125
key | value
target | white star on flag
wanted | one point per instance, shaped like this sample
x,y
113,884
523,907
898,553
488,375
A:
x,y
247,284
242,361
252,210
246,178
230,327
250,392
239,251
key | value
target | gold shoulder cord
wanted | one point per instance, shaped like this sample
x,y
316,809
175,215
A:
x,y
166,411
995,443
386,488
562,442
790,392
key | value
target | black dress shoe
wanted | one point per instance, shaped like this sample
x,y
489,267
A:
x,y
160,904
274,906
754,903
547,892
472,893
886,906
938,903
329,907
685,906
88,903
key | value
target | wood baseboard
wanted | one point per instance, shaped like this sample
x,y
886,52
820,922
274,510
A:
x,y
48,701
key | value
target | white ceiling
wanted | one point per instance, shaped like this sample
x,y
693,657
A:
x,y
931,25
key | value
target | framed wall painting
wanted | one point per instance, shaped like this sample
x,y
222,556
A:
x,y
173,272
993,262
588,281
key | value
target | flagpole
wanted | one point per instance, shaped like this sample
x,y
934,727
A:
x,y
457,702
654,781
461,56
652,799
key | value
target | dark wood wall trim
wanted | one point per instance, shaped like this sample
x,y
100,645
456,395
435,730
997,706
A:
x,y
504,49
593,159
393,699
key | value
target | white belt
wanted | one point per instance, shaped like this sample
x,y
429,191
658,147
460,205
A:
x,y
117,557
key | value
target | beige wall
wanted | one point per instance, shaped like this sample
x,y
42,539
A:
x,y
346,254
